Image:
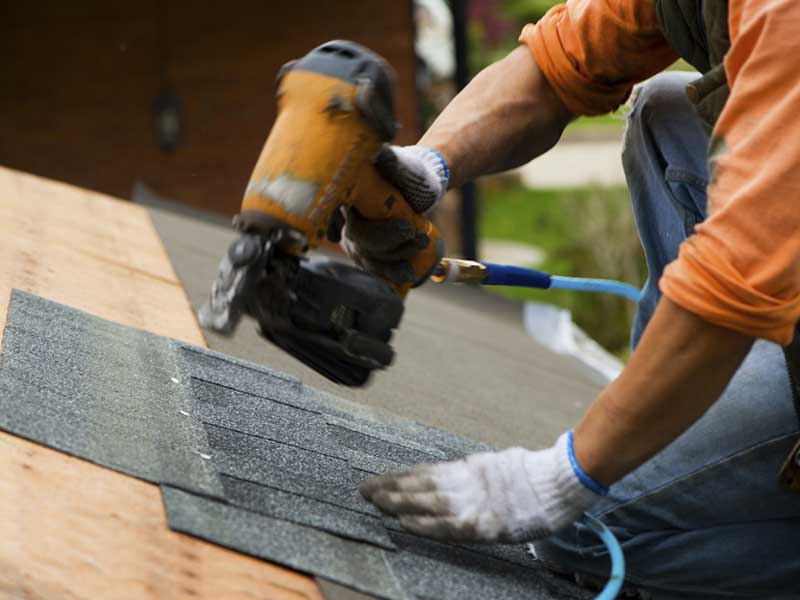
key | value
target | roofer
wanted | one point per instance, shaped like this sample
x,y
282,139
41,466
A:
x,y
713,168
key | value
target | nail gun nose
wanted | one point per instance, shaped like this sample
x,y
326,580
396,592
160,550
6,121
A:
x,y
244,250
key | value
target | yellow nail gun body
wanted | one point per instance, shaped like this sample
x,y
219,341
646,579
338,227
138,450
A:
x,y
335,110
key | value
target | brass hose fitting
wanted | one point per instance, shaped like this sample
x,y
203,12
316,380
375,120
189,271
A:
x,y
456,270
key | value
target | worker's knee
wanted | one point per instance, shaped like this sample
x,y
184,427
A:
x,y
661,101
659,108
663,93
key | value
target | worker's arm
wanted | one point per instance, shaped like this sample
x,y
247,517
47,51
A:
x,y
582,58
679,369
739,272
736,279
505,117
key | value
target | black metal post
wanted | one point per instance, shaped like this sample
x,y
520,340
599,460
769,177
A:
x,y
469,194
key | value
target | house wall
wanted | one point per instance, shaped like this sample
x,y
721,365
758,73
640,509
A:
x,y
78,81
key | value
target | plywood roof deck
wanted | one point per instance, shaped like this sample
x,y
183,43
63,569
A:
x,y
71,529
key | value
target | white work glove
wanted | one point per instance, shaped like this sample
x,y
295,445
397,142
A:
x,y
420,173
511,496
386,247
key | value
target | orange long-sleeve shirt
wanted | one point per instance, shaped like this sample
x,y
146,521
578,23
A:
x,y
741,268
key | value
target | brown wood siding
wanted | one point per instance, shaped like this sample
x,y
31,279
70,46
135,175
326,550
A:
x,y
78,80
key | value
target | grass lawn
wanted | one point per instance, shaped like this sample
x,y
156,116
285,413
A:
x,y
584,232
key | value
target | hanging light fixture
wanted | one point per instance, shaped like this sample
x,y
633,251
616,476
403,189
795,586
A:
x,y
167,119
167,107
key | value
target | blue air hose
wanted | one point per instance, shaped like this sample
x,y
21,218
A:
x,y
584,284
617,575
454,270
516,276
522,277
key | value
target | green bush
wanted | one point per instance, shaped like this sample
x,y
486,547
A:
x,y
584,232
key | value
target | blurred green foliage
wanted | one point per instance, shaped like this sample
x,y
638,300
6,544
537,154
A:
x,y
584,232
494,27
528,11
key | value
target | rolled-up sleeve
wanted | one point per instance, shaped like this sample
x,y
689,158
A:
x,y
741,268
592,52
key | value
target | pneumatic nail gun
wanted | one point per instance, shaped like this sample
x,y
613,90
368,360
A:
x,y
335,110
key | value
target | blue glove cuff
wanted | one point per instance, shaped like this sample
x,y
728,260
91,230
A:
x,y
445,168
582,476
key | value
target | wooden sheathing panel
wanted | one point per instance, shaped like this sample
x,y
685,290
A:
x,y
70,529
90,251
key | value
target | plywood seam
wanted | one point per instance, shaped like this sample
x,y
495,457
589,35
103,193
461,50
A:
x,y
136,270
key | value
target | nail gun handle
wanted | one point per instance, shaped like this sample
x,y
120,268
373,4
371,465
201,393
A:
x,y
376,199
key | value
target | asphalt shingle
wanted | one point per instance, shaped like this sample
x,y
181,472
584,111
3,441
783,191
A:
x,y
307,549
247,458
107,393
304,510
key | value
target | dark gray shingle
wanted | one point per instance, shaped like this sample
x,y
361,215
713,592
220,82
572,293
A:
x,y
361,566
110,394
247,458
